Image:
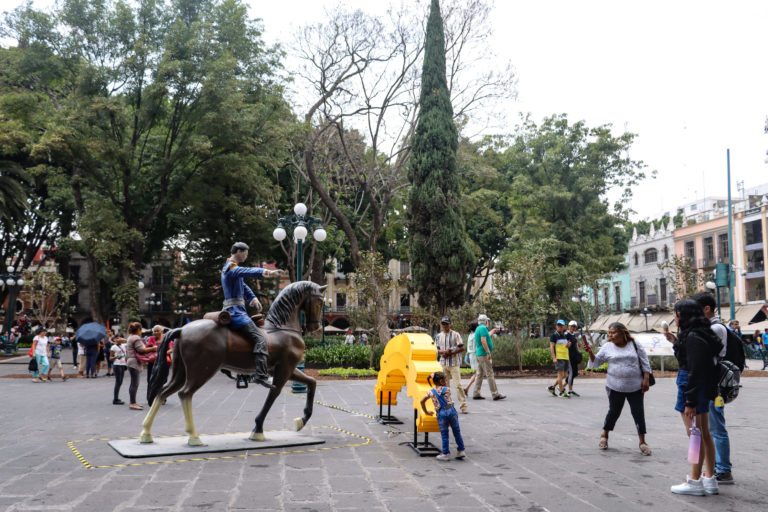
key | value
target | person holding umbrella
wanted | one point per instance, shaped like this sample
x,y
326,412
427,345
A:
x,y
89,335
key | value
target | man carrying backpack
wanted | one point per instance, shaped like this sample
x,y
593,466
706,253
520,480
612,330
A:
x,y
717,412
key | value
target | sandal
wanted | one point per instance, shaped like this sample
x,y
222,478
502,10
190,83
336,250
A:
x,y
644,449
603,443
136,407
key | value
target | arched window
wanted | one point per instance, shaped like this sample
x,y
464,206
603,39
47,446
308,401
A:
x,y
666,253
651,256
637,260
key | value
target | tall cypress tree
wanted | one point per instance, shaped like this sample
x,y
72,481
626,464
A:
x,y
439,251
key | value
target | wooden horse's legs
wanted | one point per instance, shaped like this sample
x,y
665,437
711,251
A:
x,y
186,406
279,381
146,425
177,381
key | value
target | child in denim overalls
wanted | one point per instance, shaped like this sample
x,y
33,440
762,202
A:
x,y
446,414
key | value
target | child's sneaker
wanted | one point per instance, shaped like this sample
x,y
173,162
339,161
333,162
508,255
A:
x,y
690,486
460,455
551,389
444,456
573,393
564,394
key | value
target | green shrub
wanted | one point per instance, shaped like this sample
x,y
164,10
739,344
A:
x,y
355,356
466,371
600,369
670,363
348,372
537,357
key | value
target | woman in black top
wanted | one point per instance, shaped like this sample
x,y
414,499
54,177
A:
x,y
695,350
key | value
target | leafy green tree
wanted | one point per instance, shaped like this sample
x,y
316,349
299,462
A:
x,y
682,276
49,294
439,253
370,288
561,173
519,295
158,93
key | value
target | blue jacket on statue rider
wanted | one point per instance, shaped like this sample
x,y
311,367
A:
x,y
236,295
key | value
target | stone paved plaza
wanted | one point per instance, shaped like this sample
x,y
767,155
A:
x,y
531,452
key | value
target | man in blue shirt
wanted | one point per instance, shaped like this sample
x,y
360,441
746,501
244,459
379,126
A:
x,y
236,294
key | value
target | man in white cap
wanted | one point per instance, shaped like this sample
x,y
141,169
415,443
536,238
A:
x,y
449,346
574,355
484,345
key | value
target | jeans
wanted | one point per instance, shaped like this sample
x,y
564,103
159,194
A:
x,y
91,353
134,386
119,370
720,435
42,366
449,418
616,404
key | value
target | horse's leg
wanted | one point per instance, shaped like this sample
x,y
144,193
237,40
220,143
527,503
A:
x,y
279,378
177,381
299,376
186,406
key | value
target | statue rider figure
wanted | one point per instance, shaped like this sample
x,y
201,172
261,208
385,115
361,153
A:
x,y
236,294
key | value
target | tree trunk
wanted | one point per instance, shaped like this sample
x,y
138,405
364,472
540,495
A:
x,y
94,286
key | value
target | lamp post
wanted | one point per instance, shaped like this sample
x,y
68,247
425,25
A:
x,y
12,281
151,301
181,312
646,314
326,303
579,299
299,224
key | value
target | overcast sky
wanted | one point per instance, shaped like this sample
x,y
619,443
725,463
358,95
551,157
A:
x,y
689,77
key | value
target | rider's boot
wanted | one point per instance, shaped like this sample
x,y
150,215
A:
x,y
260,374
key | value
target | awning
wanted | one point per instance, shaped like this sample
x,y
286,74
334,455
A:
x,y
751,328
744,314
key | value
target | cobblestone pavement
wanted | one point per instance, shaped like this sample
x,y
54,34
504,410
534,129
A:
x,y
530,452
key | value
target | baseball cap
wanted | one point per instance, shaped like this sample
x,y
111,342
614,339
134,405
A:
x,y
573,322
445,320
561,322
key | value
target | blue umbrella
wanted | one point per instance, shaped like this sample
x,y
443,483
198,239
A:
x,y
90,334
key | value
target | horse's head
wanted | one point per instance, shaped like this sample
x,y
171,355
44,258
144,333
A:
x,y
313,308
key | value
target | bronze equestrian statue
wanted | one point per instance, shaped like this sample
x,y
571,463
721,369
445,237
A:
x,y
203,347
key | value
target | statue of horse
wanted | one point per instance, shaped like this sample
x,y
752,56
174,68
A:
x,y
201,348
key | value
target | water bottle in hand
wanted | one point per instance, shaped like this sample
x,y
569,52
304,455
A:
x,y
694,444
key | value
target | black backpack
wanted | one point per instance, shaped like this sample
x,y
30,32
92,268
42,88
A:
x,y
730,367
734,351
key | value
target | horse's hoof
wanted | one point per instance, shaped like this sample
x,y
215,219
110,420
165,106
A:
x,y
195,441
146,439
298,424
257,436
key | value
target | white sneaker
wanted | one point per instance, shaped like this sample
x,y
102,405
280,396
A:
x,y
690,486
460,455
710,485
444,456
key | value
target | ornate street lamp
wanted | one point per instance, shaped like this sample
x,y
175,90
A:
x,y
646,314
13,282
299,224
151,301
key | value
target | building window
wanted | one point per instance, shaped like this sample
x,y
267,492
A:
x,y
663,290
617,294
641,290
637,260
405,302
690,250
651,256
666,253
341,301
709,249
722,247
606,299
405,269
162,275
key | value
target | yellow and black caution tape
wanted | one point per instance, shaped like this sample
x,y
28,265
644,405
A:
x,y
364,441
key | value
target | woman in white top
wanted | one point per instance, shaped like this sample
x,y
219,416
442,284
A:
x,y
40,350
118,356
628,379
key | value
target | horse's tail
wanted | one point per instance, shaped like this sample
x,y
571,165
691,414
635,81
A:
x,y
161,367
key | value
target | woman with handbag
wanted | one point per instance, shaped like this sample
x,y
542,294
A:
x,y
149,359
629,377
135,348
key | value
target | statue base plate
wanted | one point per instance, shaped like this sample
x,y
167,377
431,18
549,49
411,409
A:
x,y
177,445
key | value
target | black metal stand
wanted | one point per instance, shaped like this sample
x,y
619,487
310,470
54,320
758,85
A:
x,y
387,419
425,448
